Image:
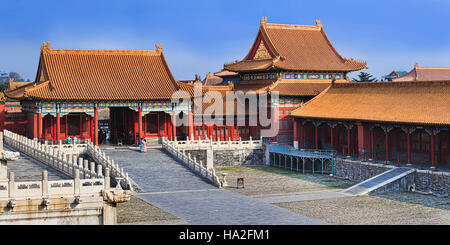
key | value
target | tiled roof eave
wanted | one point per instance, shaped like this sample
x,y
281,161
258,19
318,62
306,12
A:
x,y
348,69
418,123
95,99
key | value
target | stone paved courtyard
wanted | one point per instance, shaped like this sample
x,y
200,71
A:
x,y
173,188
318,196
265,181
402,208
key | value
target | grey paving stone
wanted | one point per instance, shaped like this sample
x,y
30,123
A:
x,y
222,207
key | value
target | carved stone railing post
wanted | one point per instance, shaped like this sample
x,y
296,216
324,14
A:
x,y
12,186
44,183
107,179
92,169
86,169
99,170
80,163
77,182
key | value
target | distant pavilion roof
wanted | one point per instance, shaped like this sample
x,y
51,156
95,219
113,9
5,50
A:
x,y
424,103
77,74
293,47
419,73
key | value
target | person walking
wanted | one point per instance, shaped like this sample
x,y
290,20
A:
x,y
142,145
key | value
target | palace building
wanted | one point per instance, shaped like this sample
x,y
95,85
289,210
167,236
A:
x,y
393,122
297,61
73,86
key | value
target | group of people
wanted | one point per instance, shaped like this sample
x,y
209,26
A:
x,y
102,135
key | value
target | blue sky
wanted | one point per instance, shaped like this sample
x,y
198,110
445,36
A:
x,y
200,36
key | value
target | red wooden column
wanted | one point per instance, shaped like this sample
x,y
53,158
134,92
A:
x,y
371,143
408,145
34,126
169,128
95,126
231,131
332,136
54,129
433,164
216,130
303,134
275,122
295,134
174,125
140,123
363,140
316,135
348,140
135,126
387,144
58,126
210,131
204,134
39,122
191,125
91,128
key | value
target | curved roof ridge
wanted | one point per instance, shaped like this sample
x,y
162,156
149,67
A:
x,y
392,84
101,51
45,48
432,67
345,60
291,26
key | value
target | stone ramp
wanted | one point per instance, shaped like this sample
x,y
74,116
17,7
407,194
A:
x,y
28,169
156,171
378,181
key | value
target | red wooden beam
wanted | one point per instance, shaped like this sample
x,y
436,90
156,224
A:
x,y
95,126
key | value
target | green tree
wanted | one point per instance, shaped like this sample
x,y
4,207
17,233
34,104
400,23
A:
x,y
364,77
16,76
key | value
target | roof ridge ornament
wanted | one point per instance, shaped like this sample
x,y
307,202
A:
x,y
318,23
159,48
264,20
45,46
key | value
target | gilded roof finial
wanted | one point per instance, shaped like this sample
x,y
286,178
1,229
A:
x,y
11,83
45,46
416,65
319,24
197,79
159,48
264,20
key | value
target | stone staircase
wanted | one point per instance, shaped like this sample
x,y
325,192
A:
x,y
153,141
391,180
